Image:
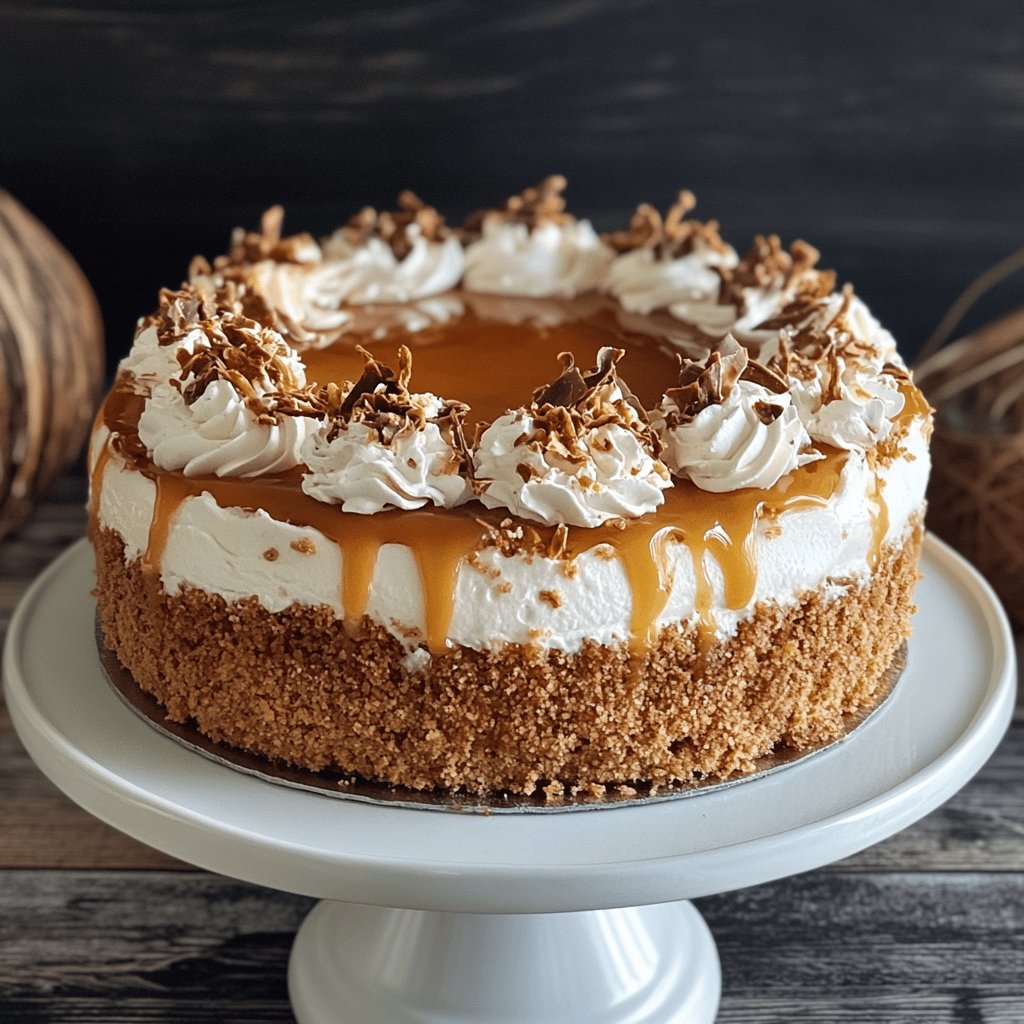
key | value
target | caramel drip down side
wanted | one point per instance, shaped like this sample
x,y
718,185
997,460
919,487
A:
x,y
717,528
96,477
878,510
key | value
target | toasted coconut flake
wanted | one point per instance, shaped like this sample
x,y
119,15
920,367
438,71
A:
x,y
393,225
542,204
672,236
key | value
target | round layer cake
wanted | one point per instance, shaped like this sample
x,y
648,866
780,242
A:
x,y
510,507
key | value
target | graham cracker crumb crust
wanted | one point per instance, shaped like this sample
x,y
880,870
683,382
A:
x,y
295,687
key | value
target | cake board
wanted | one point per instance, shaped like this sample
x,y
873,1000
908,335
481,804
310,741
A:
x,y
480,919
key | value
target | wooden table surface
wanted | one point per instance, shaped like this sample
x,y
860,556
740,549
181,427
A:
x,y
927,926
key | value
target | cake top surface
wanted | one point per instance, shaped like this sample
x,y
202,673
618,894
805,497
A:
x,y
564,376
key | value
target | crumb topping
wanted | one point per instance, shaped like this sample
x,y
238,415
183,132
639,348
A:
x,y
511,538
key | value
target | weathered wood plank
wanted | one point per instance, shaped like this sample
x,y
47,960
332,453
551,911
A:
x,y
125,948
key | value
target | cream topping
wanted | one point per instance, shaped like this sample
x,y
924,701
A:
x,y
731,424
580,454
151,362
382,446
532,247
669,262
218,434
752,438
234,408
551,259
848,407
365,475
372,272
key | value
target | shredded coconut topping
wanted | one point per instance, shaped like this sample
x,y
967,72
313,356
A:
x,y
399,228
268,244
542,204
670,236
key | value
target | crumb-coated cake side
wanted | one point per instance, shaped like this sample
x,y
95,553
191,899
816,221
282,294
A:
x,y
510,507
520,717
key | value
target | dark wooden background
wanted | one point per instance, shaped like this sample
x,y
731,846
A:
x,y
889,134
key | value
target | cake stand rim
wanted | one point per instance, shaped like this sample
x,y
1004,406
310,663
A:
x,y
497,887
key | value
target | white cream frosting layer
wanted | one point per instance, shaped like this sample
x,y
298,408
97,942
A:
x,y
497,598
550,259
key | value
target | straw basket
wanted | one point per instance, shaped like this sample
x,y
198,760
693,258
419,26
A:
x,y
976,494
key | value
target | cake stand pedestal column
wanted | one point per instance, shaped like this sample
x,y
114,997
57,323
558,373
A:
x,y
367,965
513,918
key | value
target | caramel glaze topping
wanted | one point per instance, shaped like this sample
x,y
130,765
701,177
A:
x,y
715,527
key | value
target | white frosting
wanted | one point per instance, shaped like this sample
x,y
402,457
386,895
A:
x,y
362,474
304,295
617,479
497,597
551,259
371,272
152,363
218,435
643,283
727,446
862,416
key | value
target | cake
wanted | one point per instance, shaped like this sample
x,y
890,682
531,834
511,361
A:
x,y
512,508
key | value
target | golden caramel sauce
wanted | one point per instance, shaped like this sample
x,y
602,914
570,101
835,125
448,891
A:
x,y
493,365
460,360
98,472
915,405
713,526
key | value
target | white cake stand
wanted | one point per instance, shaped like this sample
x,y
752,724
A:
x,y
533,919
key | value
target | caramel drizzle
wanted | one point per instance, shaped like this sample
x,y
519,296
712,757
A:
x,y
715,527
439,540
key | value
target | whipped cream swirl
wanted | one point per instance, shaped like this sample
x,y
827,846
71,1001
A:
x,y
579,454
643,282
849,406
367,473
151,362
382,446
731,423
221,416
372,272
219,434
551,258
752,438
